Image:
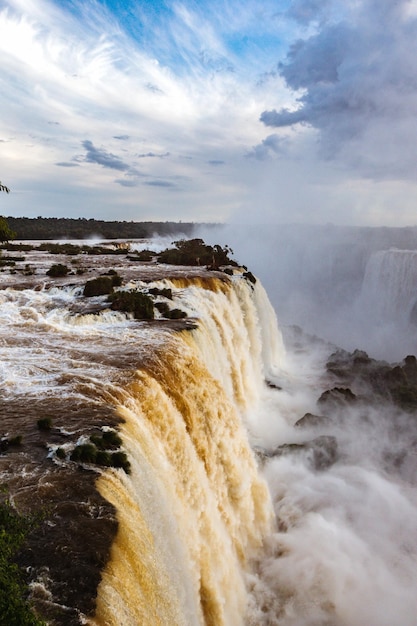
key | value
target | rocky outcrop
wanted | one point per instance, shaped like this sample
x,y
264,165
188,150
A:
x,y
320,452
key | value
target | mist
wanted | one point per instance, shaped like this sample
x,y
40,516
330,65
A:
x,y
343,553
341,466
339,283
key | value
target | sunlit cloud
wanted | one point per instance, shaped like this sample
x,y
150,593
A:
x,y
224,96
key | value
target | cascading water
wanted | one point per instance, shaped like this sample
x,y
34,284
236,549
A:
x,y
229,515
389,288
195,509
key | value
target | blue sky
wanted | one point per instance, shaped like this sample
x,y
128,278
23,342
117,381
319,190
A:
x,y
272,111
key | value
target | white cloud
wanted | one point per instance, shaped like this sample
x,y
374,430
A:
x,y
190,85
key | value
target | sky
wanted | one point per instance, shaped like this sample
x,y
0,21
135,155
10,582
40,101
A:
x,y
272,111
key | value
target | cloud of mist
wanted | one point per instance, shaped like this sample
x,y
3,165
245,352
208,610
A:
x,y
344,549
321,278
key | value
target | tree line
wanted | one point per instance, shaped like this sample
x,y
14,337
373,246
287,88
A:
x,y
70,228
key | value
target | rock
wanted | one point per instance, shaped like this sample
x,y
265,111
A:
x,y
321,452
309,419
339,396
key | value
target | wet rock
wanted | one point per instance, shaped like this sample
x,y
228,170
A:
x,y
272,385
321,452
393,383
338,396
309,419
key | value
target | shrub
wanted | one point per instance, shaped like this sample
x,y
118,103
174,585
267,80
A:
x,y
44,423
100,286
58,269
103,458
15,441
196,252
109,440
145,255
176,314
116,279
134,302
60,248
163,308
119,459
112,439
85,453
60,452
14,609
165,292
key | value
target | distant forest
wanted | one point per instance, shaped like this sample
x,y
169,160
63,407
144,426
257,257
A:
x,y
82,228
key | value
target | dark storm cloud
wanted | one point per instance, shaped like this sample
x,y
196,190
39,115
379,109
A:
x,y
67,164
121,137
216,162
358,84
104,158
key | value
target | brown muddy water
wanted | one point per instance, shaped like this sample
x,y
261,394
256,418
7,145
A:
x,y
67,358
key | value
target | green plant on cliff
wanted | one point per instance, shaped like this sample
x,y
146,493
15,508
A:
x,y
196,252
5,232
57,270
100,286
14,607
134,302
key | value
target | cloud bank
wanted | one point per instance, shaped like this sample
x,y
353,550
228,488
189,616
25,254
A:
x,y
357,85
285,111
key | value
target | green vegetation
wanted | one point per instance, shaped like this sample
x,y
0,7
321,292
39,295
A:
x,y
115,278
57,270
44,423
119,459
134,302
85,453
10,442
165,292
81,228
101,450
109,440
14,607
171,314
60,452
60,248
143,255
6,232
101,286
21,247
176,314
15,441
196,252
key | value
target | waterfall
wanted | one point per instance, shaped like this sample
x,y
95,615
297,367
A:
x,y
227,517
194,510
389,289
